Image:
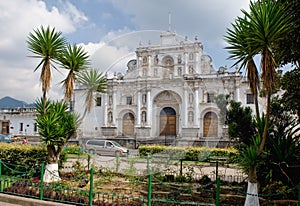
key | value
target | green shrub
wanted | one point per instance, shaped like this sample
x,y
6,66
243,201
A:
x,y
24,156
73,149
189,153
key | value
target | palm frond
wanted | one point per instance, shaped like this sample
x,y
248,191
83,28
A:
x,y
74,59
92,81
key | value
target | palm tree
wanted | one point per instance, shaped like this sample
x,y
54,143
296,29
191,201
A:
x,y
240,50
46,44
268,25
261,28
92,81
74,59
56,127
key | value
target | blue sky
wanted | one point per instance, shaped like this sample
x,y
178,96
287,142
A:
x,y
108,29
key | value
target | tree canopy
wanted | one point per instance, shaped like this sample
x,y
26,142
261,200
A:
x,y
289,47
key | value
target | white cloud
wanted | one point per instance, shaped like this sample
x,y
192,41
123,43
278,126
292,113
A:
x,y
17,19
74,14
207,19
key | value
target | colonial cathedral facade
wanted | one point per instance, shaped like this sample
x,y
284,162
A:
x,y
167,90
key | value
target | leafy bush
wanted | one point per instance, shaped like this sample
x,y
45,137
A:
x,y
189,153
73,149
26,156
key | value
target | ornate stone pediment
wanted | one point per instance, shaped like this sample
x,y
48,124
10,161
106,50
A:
x,y
168,97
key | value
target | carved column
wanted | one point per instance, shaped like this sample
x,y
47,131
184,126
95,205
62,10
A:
x,y
197,63
114,106
196,107
105,109
149,109
184,105
149,65
138,108
237,86
185,70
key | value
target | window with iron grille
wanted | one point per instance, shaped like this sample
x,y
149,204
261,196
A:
x,y
98,101
250,99
210,97
129,100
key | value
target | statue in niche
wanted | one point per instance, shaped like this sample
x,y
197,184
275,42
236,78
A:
x,y
191,116
191,98
144,98
143,117
156,59
179,59
191,69
110,117
179,71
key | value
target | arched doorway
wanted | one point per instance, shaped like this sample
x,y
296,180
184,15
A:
x,y
128,125
5,127
167,122
210,125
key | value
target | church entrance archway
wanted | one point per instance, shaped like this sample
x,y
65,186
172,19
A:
x,y
167,122
128,124
210,125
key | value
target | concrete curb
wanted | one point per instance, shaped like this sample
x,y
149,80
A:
x,y
23,201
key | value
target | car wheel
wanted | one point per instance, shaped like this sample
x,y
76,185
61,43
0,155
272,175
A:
x,y
91,151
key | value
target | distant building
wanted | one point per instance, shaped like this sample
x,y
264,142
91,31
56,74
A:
x,y
18,121
168,90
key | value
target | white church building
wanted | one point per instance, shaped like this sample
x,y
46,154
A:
x,y
168,90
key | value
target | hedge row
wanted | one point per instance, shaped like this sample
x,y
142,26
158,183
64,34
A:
x,y
24,155
202,154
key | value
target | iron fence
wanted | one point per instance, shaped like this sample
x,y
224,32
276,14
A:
x,y
153,188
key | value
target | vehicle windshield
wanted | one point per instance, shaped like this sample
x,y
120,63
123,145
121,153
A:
x,y
116,144
6,137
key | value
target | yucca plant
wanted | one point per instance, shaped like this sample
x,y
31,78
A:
x,y
46,44
92,81
261,29
56,127
283,147
74,59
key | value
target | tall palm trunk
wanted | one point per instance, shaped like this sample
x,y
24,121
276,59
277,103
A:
x,y
46,79
266,127
253,78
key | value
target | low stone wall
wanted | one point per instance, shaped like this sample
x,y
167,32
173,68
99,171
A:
x,y
18,201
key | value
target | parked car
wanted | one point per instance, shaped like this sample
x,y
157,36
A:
x,y
105,147
5,138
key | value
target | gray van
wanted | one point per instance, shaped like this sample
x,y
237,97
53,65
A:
x,y
105,147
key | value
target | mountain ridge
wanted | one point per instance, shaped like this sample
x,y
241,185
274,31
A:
x,y
9,102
